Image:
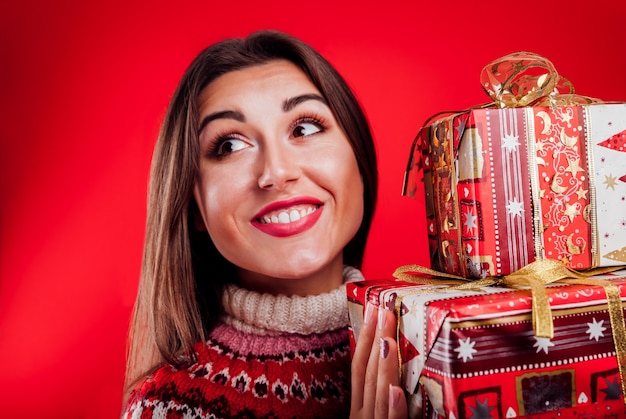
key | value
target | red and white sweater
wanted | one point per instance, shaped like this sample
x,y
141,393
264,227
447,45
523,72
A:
x,y
269,357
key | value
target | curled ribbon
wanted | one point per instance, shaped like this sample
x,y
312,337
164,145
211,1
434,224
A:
x,y
535,276
514,80
525,79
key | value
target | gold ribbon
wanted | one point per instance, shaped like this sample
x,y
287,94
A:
x,y
514,80
528,79
534,276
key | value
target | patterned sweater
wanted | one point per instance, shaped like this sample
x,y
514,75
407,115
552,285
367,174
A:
x,y
269,357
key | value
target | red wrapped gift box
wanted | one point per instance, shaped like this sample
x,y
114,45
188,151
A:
x,y
509,185
475,354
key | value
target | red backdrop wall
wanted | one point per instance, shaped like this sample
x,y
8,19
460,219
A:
x,y
84,84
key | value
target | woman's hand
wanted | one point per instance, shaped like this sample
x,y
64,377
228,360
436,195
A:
x,y
375,370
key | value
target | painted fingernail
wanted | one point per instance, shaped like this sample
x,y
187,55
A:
x,y
369,311
384,348
382,318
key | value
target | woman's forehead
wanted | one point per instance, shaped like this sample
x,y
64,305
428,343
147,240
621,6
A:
x,y
273,84
282,74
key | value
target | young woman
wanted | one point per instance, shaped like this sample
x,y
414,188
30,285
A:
x,y
262,191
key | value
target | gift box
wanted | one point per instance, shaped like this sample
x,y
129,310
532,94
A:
x,y
537,174
477,353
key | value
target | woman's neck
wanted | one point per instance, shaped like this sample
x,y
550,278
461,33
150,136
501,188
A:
x,y
299,283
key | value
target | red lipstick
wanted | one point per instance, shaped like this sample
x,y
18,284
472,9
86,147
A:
x,y
289,217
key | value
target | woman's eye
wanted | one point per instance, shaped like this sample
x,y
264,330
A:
x,y
230,145
305,128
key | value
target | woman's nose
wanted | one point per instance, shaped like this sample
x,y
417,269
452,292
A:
x,y
279,167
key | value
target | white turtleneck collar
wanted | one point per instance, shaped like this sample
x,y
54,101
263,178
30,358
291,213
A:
x,y
264,314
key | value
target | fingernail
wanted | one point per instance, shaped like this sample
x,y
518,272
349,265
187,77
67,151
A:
x,y
384,348
382,318
369,311
394,396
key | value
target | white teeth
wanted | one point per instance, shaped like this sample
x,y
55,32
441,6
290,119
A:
x,y
286,217
294,216
283,218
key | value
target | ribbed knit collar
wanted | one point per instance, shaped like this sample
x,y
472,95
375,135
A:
x,y
253,312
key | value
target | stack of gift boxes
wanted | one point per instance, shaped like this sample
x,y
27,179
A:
x,y
536,178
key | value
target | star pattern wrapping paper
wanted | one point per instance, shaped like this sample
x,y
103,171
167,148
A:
x,y
474,354
505,187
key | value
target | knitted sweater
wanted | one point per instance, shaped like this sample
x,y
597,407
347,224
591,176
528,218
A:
x,y
269,357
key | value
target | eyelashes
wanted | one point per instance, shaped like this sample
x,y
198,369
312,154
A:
x,y
314,120
226,142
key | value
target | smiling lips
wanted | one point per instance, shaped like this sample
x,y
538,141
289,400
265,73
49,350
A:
x,y
288,218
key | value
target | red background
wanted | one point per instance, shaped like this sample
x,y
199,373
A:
x,y
84,84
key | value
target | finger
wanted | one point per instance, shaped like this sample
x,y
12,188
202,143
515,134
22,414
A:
x,y
388,366
387,375
371,398
397,403
362,354
388,324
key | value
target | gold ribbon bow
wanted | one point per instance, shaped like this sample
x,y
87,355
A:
x,y
524,79
514,80
534,276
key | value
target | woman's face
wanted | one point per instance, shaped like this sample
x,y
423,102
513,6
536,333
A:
x,y
279,188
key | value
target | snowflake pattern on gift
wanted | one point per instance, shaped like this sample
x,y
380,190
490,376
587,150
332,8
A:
x,y
466,349
475,341
510,142
605,385
515,207
472,220
596,329
542,344
484,403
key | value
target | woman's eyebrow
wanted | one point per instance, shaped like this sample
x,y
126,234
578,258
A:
x,y
288,105
237,116
291,103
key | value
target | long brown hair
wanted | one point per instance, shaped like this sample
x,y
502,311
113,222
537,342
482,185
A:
x,y
179,297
